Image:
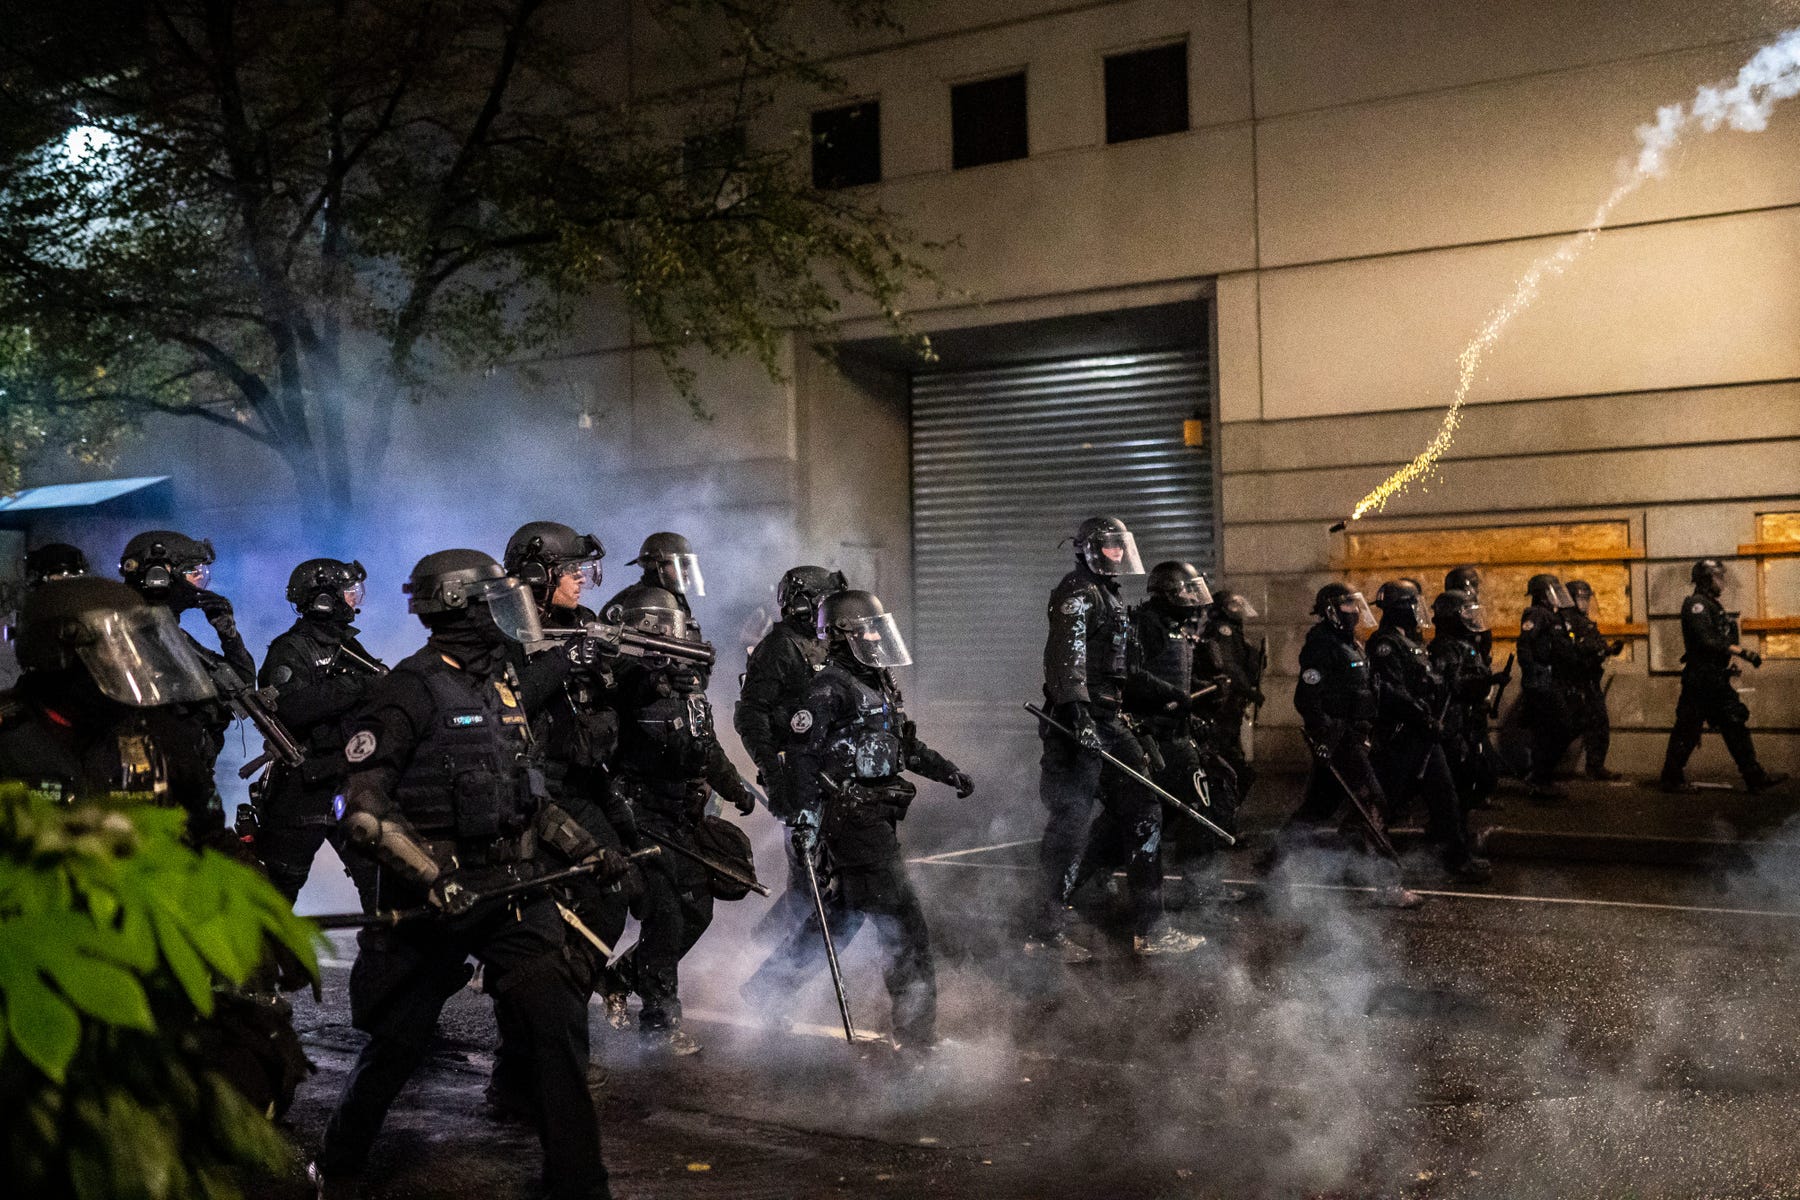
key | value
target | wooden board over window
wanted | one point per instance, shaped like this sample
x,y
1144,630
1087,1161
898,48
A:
x,y
1777,554
1507,555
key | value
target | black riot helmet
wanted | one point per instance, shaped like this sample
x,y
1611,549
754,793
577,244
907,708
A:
x,y
152,561
649,608
1459,610
540,553
1402,604
1708,575
672,563
1179,585
1465,578
134,652
456,584
328,588
1232,607
1107,547
1343,606
54,560
856,621
801,589
1547,591
1581,594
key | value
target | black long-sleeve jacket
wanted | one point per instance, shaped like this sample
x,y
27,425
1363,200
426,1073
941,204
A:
x,y
1084,658
1708,633
776,682
1335,682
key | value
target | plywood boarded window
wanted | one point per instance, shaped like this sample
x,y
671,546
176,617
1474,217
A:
x,y
1777,554
1508,555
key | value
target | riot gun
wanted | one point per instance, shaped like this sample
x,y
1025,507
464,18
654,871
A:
x,y
249,704
1494,708
388,918
612,640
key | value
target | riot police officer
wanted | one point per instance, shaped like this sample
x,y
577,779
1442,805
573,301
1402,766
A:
x,y
318,673
1084,676
173,570
1236,668
440,790
1593,651
1411,706
94,713
1335,697
1457,656
1709,638
776,681
1160,686
849,743
1550,673
669,563
668,764
54,560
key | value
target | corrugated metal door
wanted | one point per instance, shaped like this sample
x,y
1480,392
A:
x,y
1007,461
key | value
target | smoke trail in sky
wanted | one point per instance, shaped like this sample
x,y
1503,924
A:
x,y
1771,76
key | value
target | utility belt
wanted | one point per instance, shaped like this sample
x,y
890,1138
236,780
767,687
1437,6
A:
x,y
893,793
499,852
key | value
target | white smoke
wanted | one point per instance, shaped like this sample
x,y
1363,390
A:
x,y
1771,76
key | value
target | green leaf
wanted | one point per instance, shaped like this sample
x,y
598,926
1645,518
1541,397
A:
x,y
44,1027
101,990
189,971
213,938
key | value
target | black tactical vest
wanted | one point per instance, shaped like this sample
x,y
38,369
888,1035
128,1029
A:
x,y
669,737
867,743
469,777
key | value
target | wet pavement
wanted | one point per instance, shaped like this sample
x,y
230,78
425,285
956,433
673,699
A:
x,y
1568,1029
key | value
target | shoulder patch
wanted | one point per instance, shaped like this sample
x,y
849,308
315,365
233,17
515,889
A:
x,y
1384,648
1074,605
1311,675
1697,607
801,721
360,746
1528,624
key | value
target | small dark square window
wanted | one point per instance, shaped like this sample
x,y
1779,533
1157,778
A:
x,y
1147,93
987,121
847,145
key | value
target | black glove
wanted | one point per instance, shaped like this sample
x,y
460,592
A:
x,y
1257,698
965,787
806,830
450,897
217,611
1080,720
582,651
1615,649
613,865
745,800
1752,657
1325,741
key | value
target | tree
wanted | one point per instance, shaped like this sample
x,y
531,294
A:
x,y
283,218
117,943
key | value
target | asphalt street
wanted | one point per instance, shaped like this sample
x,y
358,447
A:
x,y
1566,1030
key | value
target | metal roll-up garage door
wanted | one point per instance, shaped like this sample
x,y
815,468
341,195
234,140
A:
x,y
1006,461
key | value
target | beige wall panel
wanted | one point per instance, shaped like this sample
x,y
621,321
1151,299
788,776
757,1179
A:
x,y
1240,350
1493,430
1518,159
1671,583
1274,549
1690,531
1708,301
1161,209
751,415
1317,53
1571,482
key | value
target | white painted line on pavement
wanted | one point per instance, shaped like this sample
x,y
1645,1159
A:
x,y
946,857
945,860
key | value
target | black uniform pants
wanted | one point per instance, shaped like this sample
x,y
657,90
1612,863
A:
x,y
1596,738
883,895
1186,766
1228,743
1555,723
1326,805
1413,768
1710,700
1070,780
1472,759
675,909
400,983
287,853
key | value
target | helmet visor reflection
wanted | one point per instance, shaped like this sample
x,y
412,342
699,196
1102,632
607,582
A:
x,y
876,641
683,574
1113,553
140,657
353,595
1354,603
513,610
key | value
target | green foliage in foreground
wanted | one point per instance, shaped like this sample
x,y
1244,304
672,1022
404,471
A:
x,y
113,936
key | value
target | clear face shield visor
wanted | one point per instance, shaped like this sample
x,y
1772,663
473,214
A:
x,y
876,641
354,593
681,573
663,622
1193,593
1354,605
1583,600
511,608
1240,609
1474,617
1110,553
1555,596
199,574
140,657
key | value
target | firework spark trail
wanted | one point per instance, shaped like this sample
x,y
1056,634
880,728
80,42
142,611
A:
x,y
1771,76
